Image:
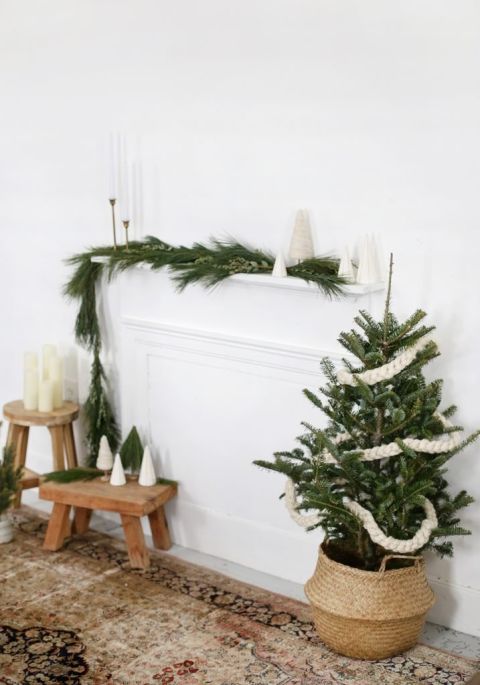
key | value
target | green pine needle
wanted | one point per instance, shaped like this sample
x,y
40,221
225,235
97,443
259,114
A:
x,y
73,474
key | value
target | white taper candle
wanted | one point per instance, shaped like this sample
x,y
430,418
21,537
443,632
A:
x,y
113,166
125,203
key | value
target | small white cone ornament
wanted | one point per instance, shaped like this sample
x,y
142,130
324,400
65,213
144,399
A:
x,y
301,244
118,474
279,268
366,268
375,259
147,475
105,457
345,267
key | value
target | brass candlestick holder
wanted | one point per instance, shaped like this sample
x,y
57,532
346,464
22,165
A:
x,y
113,201
126,225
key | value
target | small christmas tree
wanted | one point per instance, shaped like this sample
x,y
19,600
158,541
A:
x,y
9,478
131,451
374,478
105,457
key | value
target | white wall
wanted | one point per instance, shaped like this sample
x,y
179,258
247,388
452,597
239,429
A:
x,y
365,112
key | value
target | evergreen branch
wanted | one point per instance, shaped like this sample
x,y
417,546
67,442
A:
x,y
72,475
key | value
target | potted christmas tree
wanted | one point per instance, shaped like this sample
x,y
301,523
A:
x,y
374,480
9,482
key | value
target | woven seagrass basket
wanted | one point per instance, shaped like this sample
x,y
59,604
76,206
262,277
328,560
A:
x,y
368,614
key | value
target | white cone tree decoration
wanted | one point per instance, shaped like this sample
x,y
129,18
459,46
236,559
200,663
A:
x,y
368,266
375,257
301,244
279,268
345,267
118,474
147,475
105,457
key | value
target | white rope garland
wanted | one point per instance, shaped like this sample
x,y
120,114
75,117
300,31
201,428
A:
x,y
420,538
387,371
303,520
391,449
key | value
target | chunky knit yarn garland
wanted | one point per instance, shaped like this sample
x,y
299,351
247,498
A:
x,y
420,538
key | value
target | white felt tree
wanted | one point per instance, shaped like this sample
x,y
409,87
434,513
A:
x,y
279,268
118,474
345,268
301,244
105,457
147,475
368,265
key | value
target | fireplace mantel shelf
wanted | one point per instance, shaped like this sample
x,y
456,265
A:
x,y
289,283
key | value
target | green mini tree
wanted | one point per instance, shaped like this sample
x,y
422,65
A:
x,y
370,476
9,478
131,451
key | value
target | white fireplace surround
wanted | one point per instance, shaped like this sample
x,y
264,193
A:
x,y
213,380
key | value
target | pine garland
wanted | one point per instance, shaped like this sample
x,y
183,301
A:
x,y
208,264
73,474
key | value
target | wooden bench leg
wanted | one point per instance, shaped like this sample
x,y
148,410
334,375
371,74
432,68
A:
x,y
18,436
70,450
58,527
81,520
159,528
56,433
137,550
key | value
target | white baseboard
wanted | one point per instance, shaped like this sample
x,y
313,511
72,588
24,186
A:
x,y
457,607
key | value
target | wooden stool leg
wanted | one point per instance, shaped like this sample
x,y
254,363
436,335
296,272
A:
x,y
159,527
19,436
137,551
11,435
81,520
56,433
69,442
58,527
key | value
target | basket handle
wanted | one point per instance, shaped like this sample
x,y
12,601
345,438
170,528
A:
x,y
387,558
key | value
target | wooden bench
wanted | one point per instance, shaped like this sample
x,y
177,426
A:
x,y
131,501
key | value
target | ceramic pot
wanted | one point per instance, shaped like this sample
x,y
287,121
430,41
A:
x,y
6,529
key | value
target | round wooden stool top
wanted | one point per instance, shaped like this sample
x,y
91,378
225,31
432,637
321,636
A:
x,y
16,414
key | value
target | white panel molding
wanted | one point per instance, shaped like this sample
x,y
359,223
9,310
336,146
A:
x,y
220,345
143,339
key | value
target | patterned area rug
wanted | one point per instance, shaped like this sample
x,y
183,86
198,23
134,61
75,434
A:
x,y
81,616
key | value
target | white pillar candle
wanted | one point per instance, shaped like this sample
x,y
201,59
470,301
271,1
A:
x,y
55,375
113,166
45,396
49,351
30,361
30,389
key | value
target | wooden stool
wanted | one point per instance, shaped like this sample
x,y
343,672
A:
x,y
59,423
131,501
